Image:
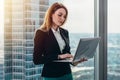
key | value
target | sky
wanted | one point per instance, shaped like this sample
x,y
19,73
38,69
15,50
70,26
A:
x,y
81,16
114,16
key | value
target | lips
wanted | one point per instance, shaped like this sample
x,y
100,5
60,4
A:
x,y
61,22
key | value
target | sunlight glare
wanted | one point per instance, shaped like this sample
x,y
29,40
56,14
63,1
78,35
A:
x,y
2,16
1,31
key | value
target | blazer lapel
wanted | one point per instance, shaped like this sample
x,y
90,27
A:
x,y
53,39
63,36
66,39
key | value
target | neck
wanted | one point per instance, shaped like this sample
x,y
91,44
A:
x,y
55,27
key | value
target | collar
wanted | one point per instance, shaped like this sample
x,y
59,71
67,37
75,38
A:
x,y
58,30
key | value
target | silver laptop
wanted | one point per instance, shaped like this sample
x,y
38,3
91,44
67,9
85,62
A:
x,y
86,49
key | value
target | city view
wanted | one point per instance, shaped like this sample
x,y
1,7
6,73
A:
x,y
85,71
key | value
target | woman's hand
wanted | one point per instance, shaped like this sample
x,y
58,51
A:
x,y
81,60
65,56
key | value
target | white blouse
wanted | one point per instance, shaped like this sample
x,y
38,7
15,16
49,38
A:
x,y
59,39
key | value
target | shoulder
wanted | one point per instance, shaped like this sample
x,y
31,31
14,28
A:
x,y
39,31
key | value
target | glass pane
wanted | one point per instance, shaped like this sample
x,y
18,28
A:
x,y
1,40
80,24
113,40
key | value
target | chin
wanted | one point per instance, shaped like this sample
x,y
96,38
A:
x,y
59,24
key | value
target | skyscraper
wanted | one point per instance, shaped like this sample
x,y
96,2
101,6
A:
x,y
1,60
22,18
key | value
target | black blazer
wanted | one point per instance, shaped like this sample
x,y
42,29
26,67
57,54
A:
x,y
46,49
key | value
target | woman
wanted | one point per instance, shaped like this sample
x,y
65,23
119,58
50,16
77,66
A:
x,y
51,43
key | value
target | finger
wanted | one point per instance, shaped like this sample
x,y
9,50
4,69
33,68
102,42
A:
x,y
69,55
84,59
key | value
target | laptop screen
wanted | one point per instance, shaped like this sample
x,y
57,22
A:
x,y
86,48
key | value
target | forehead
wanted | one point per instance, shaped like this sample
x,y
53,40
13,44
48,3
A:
x,y
61,10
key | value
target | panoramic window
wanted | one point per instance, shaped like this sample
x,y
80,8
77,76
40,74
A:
x,y
80,24
113,65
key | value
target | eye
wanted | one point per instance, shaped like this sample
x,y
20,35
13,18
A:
x,y
60,15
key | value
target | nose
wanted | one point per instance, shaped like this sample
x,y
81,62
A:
x,y
62,18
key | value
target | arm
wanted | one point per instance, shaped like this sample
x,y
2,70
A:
x,y
68,51
40,55
38,47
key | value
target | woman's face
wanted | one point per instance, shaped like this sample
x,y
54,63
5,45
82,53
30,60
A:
x,y
59,17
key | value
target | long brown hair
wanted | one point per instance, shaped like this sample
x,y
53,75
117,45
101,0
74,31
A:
x,y
48,16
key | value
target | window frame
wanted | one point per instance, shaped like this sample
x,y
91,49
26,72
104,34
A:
x,y
101,31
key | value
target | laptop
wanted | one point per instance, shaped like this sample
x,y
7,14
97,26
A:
x,y
86,49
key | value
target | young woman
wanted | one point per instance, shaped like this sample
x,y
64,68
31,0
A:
x,y
51,43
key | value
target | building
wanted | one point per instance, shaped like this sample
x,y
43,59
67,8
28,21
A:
x,y
1,64
22,18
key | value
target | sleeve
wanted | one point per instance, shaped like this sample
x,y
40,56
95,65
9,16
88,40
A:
x,y
38,47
